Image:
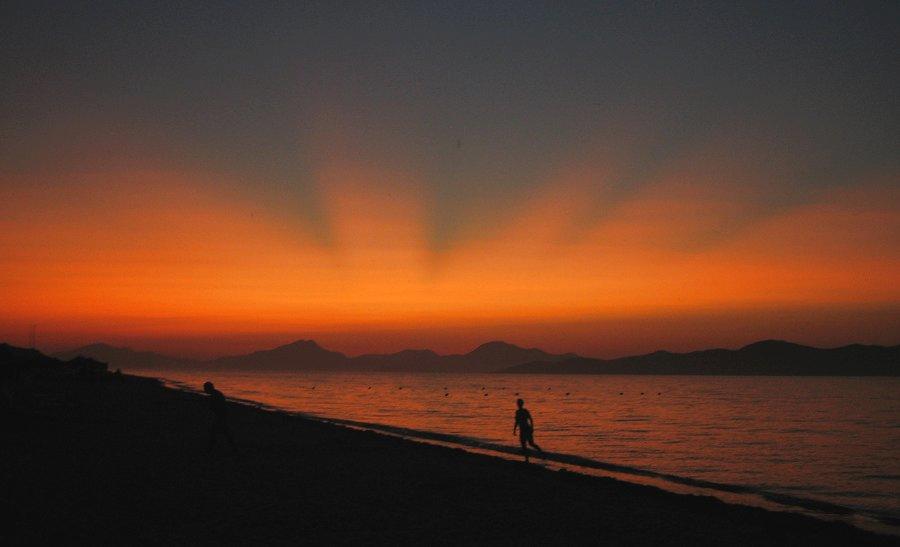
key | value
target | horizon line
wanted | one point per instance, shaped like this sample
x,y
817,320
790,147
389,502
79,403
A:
x,y
495,341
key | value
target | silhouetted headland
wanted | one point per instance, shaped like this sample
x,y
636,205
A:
x,y
103,458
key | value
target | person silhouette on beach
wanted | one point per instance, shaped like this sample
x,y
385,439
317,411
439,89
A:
x,y
525,426
219,426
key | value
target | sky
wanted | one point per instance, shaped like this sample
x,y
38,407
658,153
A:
x,y
603,178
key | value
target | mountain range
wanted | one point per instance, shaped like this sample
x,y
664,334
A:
x,y
765,358
768,357
308,355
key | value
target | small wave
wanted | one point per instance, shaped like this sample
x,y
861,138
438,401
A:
x,y
883,477
814,505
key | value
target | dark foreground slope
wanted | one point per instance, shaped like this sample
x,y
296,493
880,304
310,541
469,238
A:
x,y
123,460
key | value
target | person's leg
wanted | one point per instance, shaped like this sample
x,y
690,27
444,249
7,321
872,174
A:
x,y
531,441
523,441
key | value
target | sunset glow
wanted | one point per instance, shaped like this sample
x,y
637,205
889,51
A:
x,y
148,254
589,191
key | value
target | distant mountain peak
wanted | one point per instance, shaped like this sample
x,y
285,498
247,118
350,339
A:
x,y
496,355
495,345
296,355
306,344
770,344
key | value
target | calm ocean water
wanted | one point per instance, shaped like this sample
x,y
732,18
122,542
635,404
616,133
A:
x,y
833,440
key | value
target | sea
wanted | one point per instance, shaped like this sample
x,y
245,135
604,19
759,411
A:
x,y
826,446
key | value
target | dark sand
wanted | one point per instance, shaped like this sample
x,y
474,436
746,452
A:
x,y
125,460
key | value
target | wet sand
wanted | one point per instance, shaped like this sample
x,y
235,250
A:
x,y
125,460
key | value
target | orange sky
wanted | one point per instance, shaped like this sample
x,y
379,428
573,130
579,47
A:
x,y
589,178
182,262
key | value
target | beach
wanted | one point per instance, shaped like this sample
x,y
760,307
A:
x,y
124,459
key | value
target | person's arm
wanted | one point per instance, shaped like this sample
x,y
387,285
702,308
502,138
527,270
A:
x,y
516,425
530,421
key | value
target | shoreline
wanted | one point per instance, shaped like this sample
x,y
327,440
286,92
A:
x,y
878,522
124,458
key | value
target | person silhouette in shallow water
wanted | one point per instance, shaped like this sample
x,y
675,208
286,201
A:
x,y
219,425
525,426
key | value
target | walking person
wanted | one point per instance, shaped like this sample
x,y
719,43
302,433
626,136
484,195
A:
x,y
525,426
